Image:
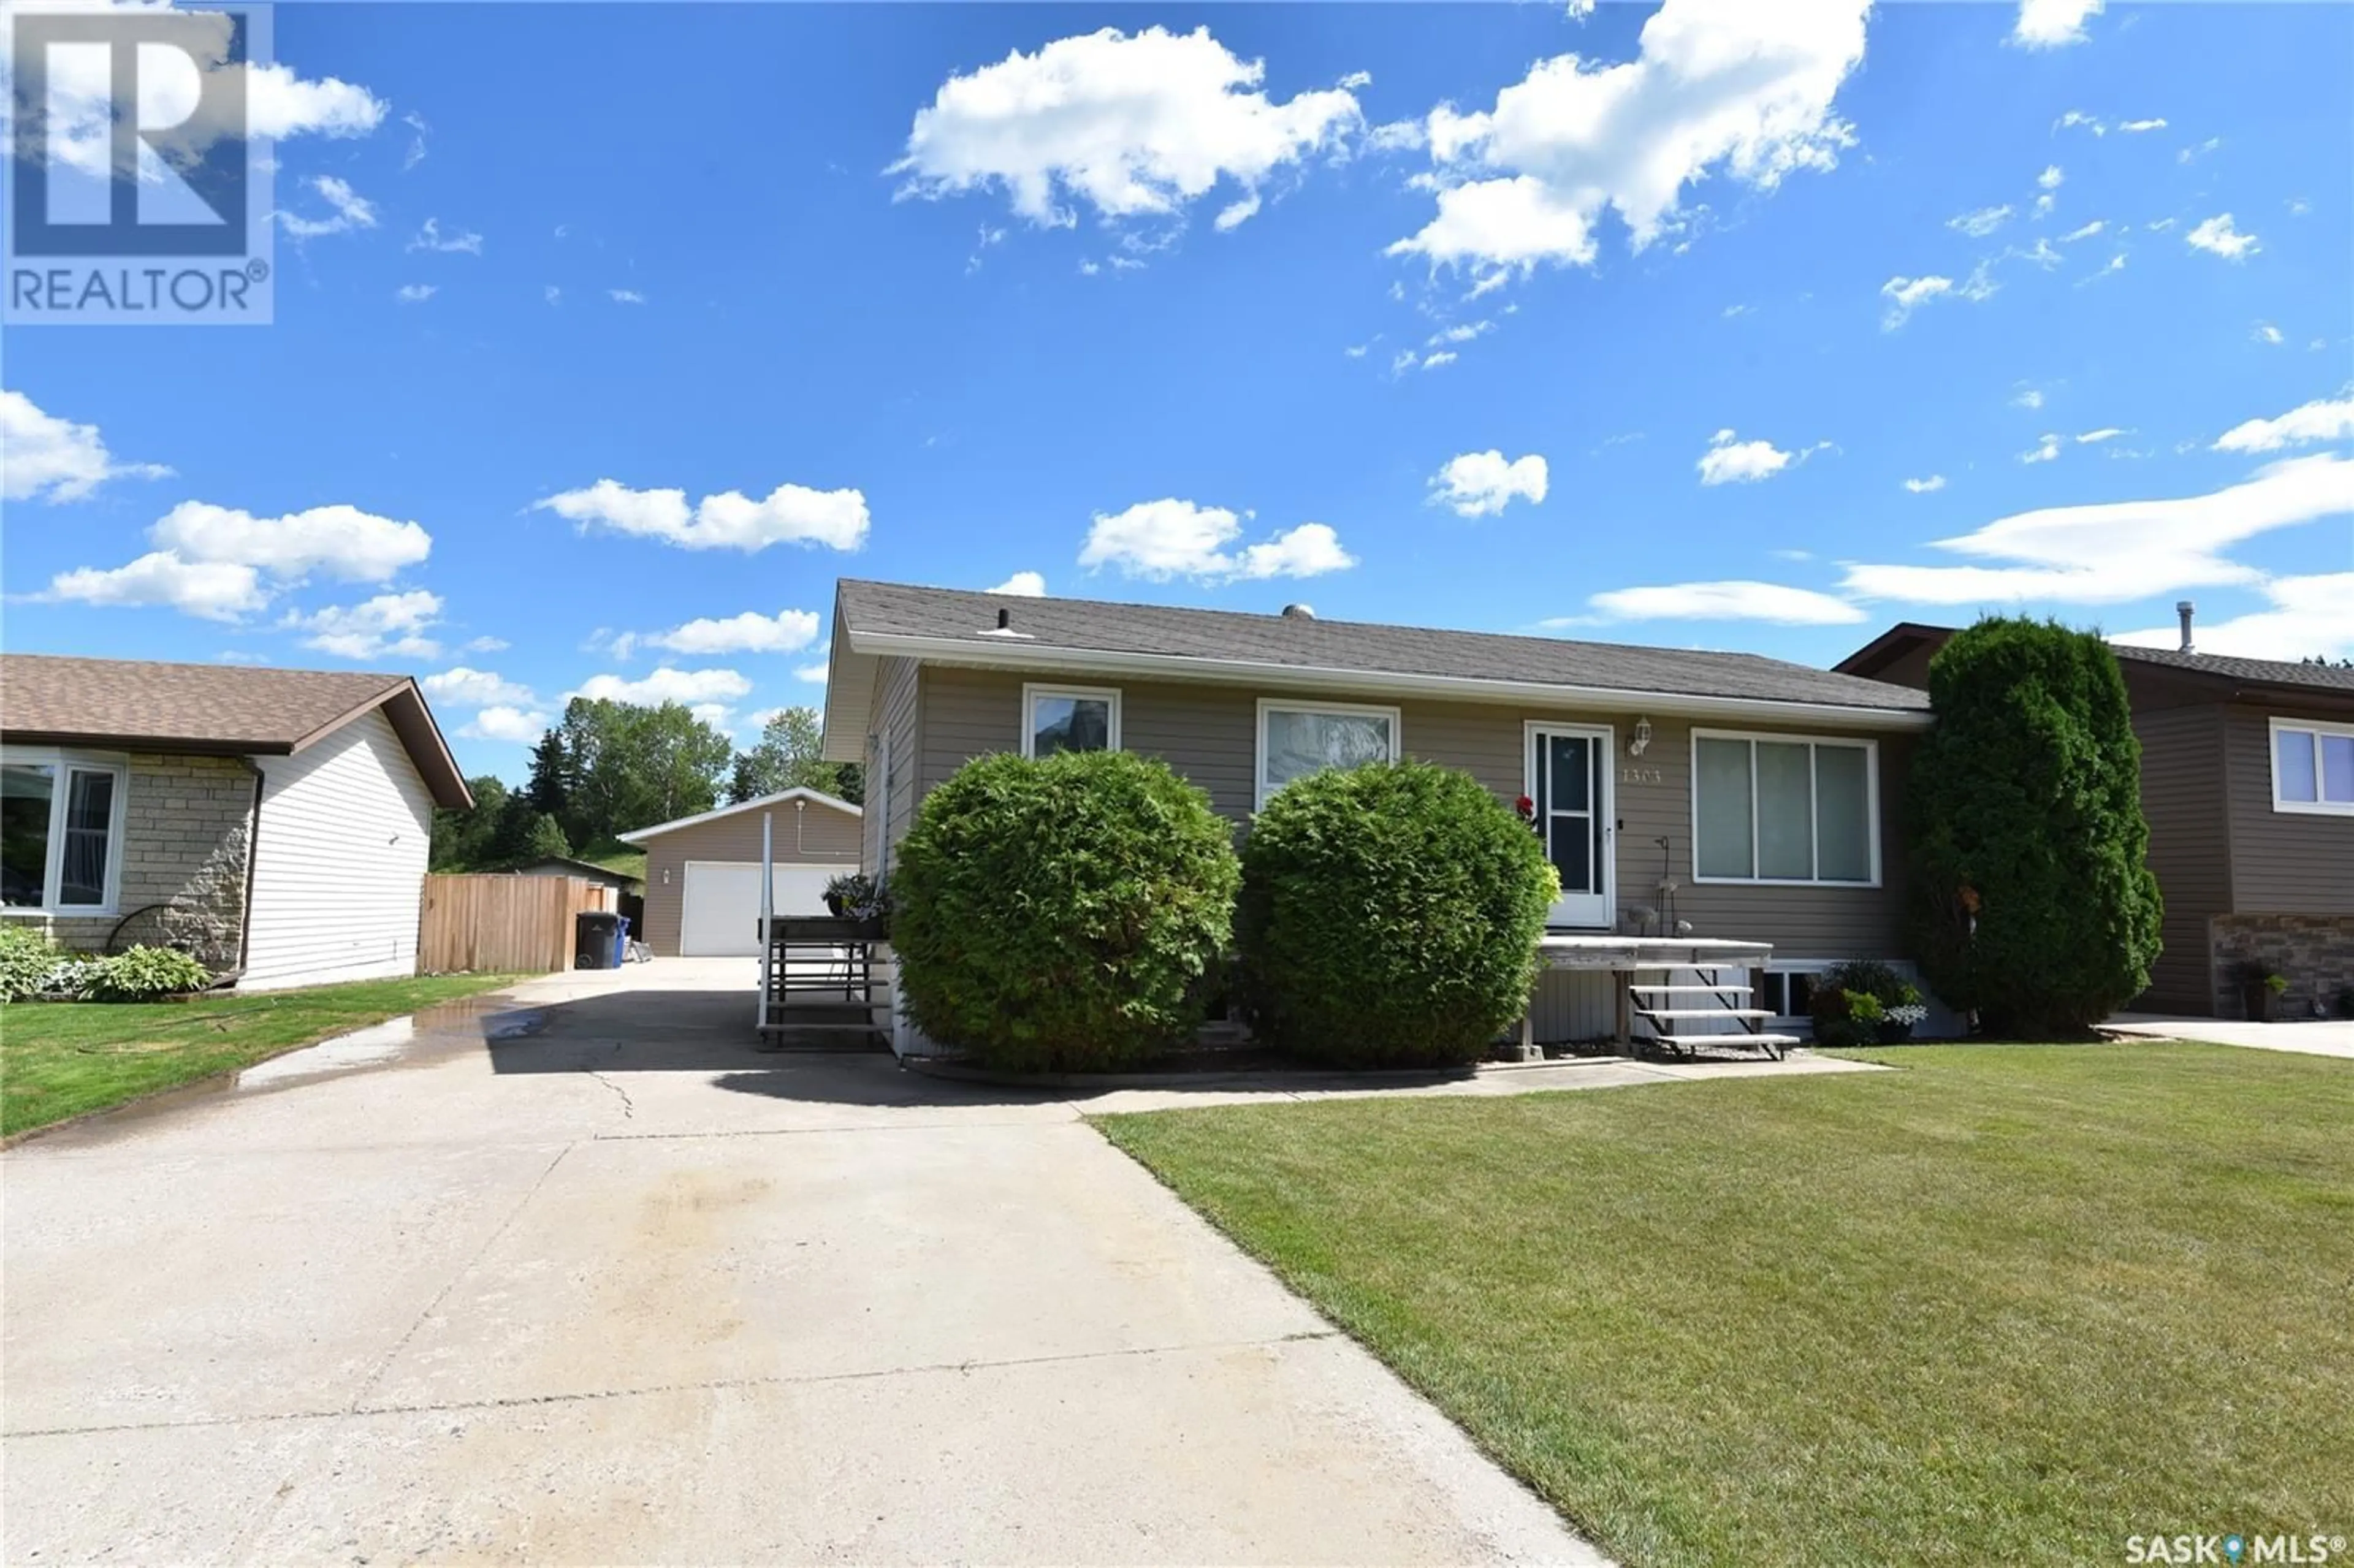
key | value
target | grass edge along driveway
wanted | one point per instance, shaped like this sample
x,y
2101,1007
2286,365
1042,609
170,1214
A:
x,y
2014,1304
65,1059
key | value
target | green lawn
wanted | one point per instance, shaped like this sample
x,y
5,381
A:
x,y
62,1059
2012,1304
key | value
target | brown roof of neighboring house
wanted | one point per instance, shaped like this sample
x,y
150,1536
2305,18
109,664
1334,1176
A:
x,y
214,710
2276,675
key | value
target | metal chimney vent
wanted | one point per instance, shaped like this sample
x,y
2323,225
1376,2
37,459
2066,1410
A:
x,y
1299,612
2185,608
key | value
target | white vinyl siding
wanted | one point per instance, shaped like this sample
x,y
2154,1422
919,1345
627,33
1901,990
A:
x,y
338,860
1784,809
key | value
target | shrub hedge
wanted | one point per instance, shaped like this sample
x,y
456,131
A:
x,y
1062,915
1390,916
2032,903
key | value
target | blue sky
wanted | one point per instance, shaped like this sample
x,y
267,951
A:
x,y
1713,292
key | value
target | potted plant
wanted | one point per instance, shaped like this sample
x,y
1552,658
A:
x,y
863,901
2260,992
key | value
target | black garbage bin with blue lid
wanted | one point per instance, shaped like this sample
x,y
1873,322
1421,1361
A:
x,y
597,940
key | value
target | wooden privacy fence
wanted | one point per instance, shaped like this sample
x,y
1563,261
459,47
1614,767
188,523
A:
x,y
492,923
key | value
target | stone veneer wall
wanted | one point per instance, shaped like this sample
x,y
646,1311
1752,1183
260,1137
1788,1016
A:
x,y
187,834
2315,953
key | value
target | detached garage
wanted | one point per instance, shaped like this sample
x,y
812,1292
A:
x,y
703,873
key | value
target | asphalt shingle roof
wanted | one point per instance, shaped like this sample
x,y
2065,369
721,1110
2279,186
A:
x,y
1094,626
119,700
223,710
2266,671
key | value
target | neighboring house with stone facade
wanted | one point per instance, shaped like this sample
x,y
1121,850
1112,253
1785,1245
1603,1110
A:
x,y
275,823
2247,779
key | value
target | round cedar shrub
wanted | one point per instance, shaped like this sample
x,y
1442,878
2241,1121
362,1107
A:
x,y
1389,917
2032,902
1061,915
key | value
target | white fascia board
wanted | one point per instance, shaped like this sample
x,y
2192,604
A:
x,y
1300,677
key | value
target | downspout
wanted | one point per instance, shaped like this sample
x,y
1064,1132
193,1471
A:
x,y
252,855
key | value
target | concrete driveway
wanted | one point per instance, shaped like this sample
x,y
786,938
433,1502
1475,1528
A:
x,y
580,1276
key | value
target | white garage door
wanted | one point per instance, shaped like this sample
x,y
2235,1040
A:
x,y
721,917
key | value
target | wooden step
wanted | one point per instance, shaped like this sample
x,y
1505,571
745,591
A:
x,y
1692,990
1657,1014
1685,1042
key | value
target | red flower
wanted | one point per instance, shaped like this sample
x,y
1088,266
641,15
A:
x,y
1526,807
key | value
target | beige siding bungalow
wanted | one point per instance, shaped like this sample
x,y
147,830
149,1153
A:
x,y
1721,794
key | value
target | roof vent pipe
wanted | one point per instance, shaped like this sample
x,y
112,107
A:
x,y
1299,612
2185,608
1005,620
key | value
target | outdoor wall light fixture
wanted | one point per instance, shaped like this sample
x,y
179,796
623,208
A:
x,y
1642,741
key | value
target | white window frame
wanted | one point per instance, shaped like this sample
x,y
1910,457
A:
x,y
1261,792
65,763
1033,690
2316,807
1871,749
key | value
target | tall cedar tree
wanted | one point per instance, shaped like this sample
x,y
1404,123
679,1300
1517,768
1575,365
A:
x,y
2033,904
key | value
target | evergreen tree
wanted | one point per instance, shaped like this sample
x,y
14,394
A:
x,y
2033,904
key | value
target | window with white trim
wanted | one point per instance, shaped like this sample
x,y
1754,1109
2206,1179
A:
x,y
2313,767
60,831
1784,809
1298,738
1069,718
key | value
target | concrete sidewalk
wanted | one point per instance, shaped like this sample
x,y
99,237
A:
x,y
2314,1037
578,1276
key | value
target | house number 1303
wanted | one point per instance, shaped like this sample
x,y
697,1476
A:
x,y
1641,775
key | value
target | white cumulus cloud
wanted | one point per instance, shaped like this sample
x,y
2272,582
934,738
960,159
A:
x,y
391,623
1728,601
1923,486
2053,23
462,687
1731,461
1717,86
45,458
341,542
1172,538
2218,236
2323,419
1481,484
1132,125
211,591
789,515
786,631
506,722
2118,552
667,684
1028,585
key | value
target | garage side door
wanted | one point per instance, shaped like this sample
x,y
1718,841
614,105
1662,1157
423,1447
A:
x,y
720,911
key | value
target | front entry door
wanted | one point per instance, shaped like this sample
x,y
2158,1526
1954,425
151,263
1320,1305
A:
x,y
1569,779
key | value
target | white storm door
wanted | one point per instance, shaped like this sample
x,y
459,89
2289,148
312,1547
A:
x,y
1569,781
